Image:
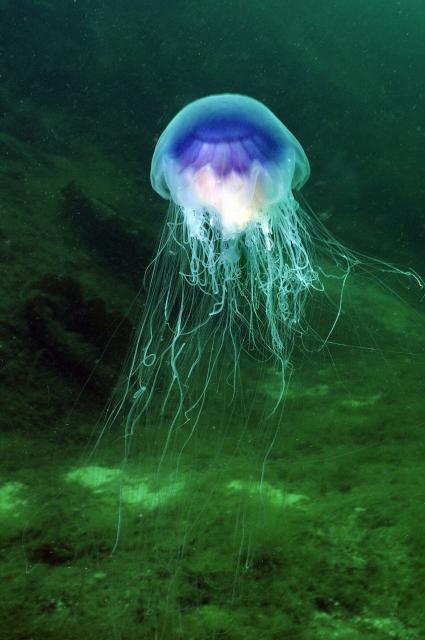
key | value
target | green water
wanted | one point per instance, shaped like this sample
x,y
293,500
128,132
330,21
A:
x,y
308,524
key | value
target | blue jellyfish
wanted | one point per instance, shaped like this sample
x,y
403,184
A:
x,y
236,260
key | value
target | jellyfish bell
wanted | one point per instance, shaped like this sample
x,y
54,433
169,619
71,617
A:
x,y
230,156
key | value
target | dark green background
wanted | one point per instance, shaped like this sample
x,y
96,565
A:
x,y
86,87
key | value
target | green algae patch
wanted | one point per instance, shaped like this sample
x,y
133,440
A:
x,y
93,477
12,499
139,492
134,490
265,491
362,401
13,507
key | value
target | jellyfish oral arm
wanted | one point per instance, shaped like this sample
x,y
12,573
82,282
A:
x,y
236,199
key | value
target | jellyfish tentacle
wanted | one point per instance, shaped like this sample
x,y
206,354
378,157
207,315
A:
x,y
240,255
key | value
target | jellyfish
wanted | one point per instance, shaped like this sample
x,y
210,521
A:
x,y
236,262
241,265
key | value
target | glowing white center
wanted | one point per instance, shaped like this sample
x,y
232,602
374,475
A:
x,y
236,199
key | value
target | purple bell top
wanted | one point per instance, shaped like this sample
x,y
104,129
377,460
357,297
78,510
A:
x,y
227,134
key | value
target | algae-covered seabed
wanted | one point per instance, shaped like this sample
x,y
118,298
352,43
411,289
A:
x,y
307,525
330,545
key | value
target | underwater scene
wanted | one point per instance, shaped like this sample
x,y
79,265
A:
x,y
212,320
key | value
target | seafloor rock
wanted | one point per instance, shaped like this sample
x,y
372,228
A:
x,y
103,231
78,337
